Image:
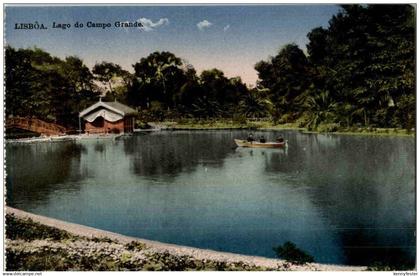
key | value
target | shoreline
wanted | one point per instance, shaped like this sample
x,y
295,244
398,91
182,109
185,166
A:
x,y
177,251
361,132
64,138
173,126
267,126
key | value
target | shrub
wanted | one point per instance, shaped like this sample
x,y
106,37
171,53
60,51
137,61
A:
x,y
184,121
291,253
303,120
239,119
286,118
135,245
29,230
328,127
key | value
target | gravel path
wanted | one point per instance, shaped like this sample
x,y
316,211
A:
x,y
177,250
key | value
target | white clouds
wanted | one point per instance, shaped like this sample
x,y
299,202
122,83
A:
x,y
207,24
204,24
148,24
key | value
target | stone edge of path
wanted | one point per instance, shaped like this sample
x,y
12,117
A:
x,y
178,250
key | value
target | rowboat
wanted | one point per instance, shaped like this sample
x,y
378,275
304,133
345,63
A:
x,y
255,144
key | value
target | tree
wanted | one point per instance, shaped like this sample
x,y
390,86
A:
x,y
188,95
46,87
83,91
106,71
216,88
78,74
20,77
286,75
365,59
160,76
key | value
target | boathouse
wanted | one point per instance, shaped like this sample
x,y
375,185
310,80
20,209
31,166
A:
x,y
107,117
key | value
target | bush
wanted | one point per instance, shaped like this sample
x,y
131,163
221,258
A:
x,y
291,253
135,245
29,230
328,127
286,118
142,125
239,119
184,121
303,120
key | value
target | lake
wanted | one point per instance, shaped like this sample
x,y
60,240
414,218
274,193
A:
x,y
343,199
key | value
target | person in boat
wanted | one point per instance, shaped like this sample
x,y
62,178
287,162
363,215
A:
x,y
250,138
262,139
280,139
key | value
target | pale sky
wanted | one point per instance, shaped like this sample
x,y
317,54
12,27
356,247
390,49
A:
x,y
228,37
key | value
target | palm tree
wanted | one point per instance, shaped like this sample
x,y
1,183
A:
x,y
255,105
321,108
208,108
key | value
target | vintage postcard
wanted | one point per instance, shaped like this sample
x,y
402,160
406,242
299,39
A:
x,y
210,137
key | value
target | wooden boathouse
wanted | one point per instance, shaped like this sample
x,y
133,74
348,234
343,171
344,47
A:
x,y
107,117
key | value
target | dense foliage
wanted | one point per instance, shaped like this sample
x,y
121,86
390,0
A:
x,y
38,85
359,71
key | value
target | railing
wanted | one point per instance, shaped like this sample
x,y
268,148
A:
x,y
35,125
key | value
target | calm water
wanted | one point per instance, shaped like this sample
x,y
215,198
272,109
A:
x,y
343,199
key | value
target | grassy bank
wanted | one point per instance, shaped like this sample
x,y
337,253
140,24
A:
x,y
223,124
194,124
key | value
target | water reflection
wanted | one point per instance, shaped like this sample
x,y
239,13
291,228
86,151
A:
x,y
358,184
343,199
168,155
33,171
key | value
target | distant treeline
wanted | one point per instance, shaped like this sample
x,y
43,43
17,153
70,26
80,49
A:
x,y
358,71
